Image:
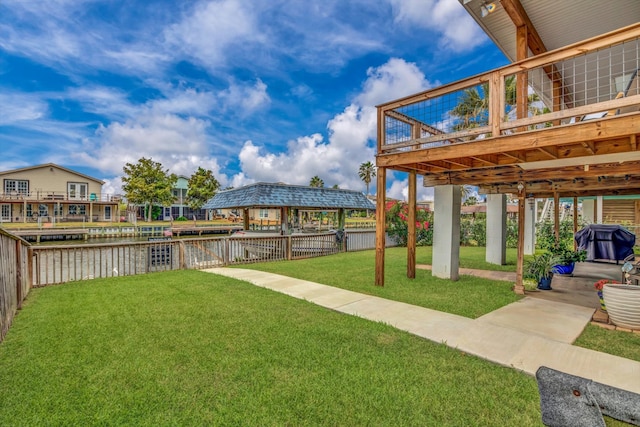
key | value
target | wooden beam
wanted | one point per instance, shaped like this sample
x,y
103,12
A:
x,y
556,216
520,18
483,160
381,195
514,173
600,130
411,227
519,285
575,221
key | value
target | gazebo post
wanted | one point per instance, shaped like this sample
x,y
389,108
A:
x,y
245,218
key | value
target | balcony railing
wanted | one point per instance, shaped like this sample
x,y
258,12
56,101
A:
x,y
56,196
589,80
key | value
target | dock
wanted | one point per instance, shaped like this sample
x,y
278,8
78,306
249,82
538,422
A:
x,y
52,234
199,231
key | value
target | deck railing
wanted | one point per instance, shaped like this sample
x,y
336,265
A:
x,y
52,196
585,81
14,277
64,263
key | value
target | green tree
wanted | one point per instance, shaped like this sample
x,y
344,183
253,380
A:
x,y
146,183
202,186
366,172
466,191
470,201
473,109
316,182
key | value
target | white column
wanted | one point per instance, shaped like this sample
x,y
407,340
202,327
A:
x,y
599,209
589,211
496,229
446,232
530,226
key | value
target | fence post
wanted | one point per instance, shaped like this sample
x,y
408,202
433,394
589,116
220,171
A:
x,y
30,256
18,274
181,259
225,255
289,248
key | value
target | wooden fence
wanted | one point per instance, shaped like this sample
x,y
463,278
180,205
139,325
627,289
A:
x,y
65,263
14,277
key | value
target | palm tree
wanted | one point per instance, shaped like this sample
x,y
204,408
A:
x,y
316,182
366,173
473,108
466,191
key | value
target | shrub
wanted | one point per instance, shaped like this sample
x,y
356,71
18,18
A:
x,y
398,229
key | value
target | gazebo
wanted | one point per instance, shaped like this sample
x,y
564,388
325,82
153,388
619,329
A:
x,y
289,199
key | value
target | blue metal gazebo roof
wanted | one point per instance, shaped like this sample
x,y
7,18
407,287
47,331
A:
x,y
273,195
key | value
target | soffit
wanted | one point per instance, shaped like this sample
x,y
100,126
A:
x,y
558,22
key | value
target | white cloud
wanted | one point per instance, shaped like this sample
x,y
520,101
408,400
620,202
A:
x,y
245,99
350,136
458,30
399,189
171,140
19,107
211,28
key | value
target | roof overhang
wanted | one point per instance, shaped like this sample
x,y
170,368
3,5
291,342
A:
x,y
552,24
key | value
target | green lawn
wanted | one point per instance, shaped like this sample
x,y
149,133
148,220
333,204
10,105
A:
x,y
470,296
192,348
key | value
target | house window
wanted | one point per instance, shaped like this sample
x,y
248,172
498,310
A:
x,y
43,210
29,212
78,190
57,210
6,212
20,186
77,209
264,213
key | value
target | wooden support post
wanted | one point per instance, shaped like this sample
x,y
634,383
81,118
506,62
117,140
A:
x,y
30,265
519,286
575,221
556,216
557,99
181,256
522,78
411,227
19,296
245,218
496,102
381,194
284,220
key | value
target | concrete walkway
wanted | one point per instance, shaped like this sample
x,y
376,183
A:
x,y
524,335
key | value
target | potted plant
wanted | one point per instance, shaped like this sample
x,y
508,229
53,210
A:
x,y
541,269
623,304
567,258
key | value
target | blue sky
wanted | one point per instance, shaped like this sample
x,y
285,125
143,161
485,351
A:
x,y
255,90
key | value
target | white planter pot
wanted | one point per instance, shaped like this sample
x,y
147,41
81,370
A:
x,y
623,305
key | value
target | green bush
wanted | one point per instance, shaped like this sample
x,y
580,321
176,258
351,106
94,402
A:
x,y
181,218
473,231
398,229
